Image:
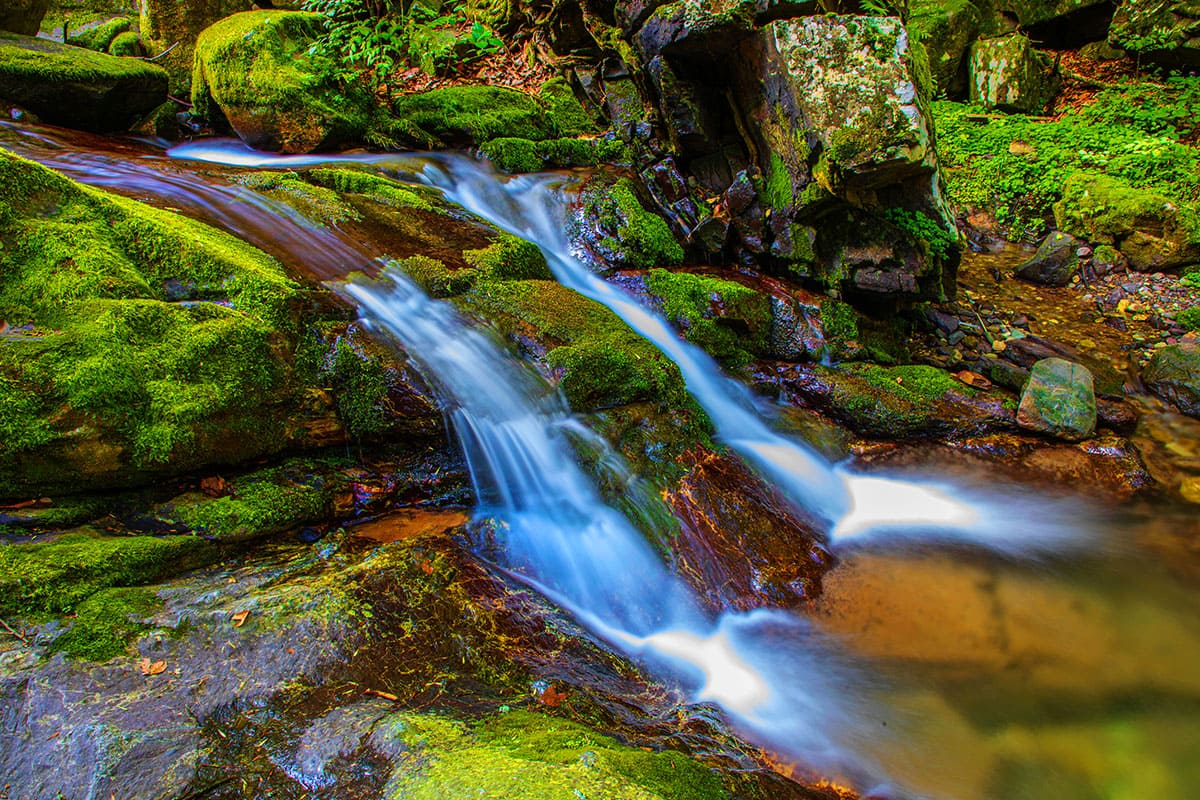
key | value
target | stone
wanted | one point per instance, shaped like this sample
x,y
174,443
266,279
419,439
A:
x,y
255,70
1055,262
1059,400
1008,74
945,30
1147,228
1166,31
23,16
696,29
78,88
1174,375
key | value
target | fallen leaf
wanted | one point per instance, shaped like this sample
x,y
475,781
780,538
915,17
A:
x,y
384,695
239,618
973,379
149,667
999,346
552,697
216,486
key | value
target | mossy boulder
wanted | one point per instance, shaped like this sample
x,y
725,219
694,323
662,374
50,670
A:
x,y
945,29
255,71
1009,74
730,321
1174,375
1167,31
1055,262
466,115
620,230
1059,400
169,23
100,37
23,16
1151,230
78,88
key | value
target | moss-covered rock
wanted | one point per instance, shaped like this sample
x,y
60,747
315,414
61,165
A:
x,y
945,29
1055,262
23,16
1009,74
622,231
1174,375
257,71
78,88
463,115
106,623
1162,30
1059,399
524,155
730,321
101,36
169,24
126,45
1149,229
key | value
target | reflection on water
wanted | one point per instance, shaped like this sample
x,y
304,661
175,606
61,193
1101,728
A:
x,y
958,674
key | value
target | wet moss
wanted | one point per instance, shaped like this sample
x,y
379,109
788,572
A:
x,y
102,36
839,321
730,321
1189,318
470,114
567,115
377,187
509,258
38,60
360,387
126,45
106,623
435,277
316,202
635,236
521,754
523,155
56,576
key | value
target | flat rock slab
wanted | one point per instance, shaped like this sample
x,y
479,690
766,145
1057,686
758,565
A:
x,y
1059,400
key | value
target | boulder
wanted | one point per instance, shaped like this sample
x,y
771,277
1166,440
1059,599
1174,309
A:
x,y
23,16
77,88
1167,31
1059,23
1007,73
696,29
255,69
1174,375
1149,229
1055,262
945,30
1059,400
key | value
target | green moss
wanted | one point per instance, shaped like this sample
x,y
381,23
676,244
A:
x,y
360,388
126,45
101,37
603,361
436,278
56,576
778,190
1189,318
839,321
377,187
730,321
470,114
106,623
636,236
316,202
567,115
26,60
916,382
513,155
1105,209
97,276
521,754
509,258
523,155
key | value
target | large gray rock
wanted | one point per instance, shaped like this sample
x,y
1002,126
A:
x,y
23,16
78,88
1174,375
1009,74
1055,262
1059,399
1167,31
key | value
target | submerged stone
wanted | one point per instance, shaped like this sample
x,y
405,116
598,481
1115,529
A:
x,y
1174,375
78,88
1059,399
1055,262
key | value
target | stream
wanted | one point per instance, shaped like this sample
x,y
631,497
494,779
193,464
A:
x,y
977,640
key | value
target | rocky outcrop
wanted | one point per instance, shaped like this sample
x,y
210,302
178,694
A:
x,y
1009,74
1167,31
1059,400
78,88
1174,375
23,16
1150,230
256,71
945,29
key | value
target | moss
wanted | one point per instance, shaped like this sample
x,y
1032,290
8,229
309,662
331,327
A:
x,y
316,202
567,115
470,114
521,754
1189,318
96,276
360,388
915,381
126,45
510,154
730,321
509,258
523,155
258,70
23,59
778,190
636,236
377,187
436,278
603,361
106,623
56,576
839,321
1105,209
935,240
101,37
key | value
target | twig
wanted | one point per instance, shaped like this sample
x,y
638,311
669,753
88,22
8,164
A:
x,y
206,789
163,53
19,634
180,101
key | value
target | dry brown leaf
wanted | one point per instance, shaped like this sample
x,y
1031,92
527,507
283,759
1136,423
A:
x,y
149,667
973,379
239,618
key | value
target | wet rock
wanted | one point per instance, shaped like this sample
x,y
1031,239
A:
x,y
1107,260
807,327
945,30
739,544
1165,32
1009,74
78,88
1174,375
692,29
255,71
23,16
1055,262
1059,400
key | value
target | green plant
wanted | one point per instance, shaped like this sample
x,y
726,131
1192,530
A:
x,y
923,228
